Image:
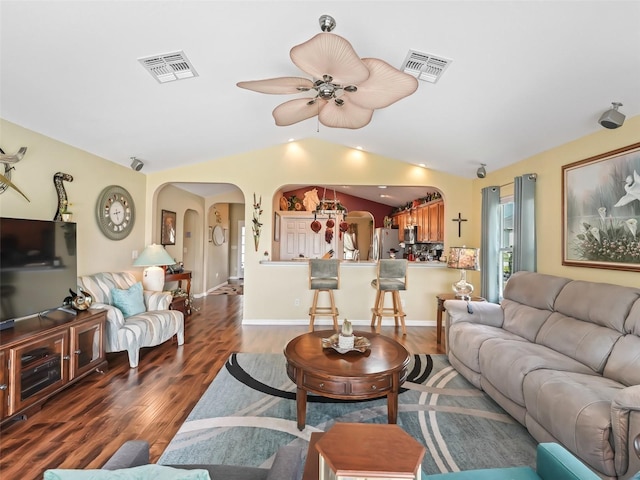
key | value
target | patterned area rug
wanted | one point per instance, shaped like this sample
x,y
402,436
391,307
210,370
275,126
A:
x,y
227,290
249,411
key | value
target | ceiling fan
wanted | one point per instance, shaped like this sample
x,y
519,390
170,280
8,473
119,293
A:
x,y
346,89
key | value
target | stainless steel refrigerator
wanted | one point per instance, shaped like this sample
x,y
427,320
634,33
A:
x,y
385,239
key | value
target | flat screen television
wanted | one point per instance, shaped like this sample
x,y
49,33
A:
x,y
38,266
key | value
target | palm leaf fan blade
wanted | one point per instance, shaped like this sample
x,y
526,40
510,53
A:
x,y
295,111
280,85
348,115
330,54
385,86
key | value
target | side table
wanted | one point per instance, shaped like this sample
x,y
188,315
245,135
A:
x,y
178,277
441,299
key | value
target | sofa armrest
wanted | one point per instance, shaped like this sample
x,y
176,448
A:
x,y
624,404
157,300
132,453
484,313
287,464
554,462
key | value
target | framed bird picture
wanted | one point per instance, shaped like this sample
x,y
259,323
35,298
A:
x,y
601,211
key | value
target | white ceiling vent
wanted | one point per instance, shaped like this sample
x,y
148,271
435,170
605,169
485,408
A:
x,y
425,66
168,67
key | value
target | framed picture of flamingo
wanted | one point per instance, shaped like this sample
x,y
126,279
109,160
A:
x,y
601,211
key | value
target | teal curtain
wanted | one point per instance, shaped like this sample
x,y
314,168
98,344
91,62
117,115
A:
x,y
490,244
524,223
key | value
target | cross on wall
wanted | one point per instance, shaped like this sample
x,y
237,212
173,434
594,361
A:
x,y
459,220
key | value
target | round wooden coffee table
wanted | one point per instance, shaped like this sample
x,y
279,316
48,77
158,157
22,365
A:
x,y
378,372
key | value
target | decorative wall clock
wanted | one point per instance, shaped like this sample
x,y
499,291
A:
x,y
115,212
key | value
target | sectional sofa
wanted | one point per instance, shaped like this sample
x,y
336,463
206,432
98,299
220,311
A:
x,y
562,357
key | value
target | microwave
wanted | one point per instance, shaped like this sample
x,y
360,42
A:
x,y
411,235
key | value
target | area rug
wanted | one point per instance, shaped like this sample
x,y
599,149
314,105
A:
x,y
249,411
227,290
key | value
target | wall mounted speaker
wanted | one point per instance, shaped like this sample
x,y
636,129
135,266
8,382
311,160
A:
x,y
136,164
612,118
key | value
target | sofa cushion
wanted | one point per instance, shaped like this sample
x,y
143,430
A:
x,y
465,339
144,472
99,285
575,409
534,289
130,301
505,364
583,341
598,303
623,364
512,473
632,325
523,320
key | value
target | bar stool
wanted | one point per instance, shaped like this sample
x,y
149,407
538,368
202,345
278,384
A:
x,y
324,276
391,278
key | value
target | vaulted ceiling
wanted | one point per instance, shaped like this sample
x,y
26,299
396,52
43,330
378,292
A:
x,y
525,76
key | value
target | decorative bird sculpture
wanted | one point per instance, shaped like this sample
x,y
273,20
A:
x,y
632,187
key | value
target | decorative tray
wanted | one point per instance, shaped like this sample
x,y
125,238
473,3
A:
x,y
361,344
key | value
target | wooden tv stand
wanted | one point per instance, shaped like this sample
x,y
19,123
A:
x,y
42,355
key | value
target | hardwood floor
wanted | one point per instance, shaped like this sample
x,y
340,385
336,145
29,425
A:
x,y
82,426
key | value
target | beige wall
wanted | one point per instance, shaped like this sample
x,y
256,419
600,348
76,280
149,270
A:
x,y
265,172
548,166
273,290
34,176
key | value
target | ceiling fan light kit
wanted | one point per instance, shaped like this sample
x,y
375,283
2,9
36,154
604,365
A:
x,y
346,89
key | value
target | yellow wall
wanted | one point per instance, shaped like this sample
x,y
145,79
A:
x,y
548,166
34,176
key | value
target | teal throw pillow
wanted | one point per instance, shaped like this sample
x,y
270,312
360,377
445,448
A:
x,y
145,472
129,302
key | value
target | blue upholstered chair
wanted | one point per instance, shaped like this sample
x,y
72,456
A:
x,y
391,278
553,462
324,276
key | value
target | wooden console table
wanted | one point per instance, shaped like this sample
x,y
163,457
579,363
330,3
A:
x,y
180,301
441,299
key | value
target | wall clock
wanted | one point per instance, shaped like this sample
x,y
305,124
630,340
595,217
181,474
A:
x,y
115,212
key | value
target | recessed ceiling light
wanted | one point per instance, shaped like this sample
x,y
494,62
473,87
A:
x,y
382,186
292,140
358,147
421,165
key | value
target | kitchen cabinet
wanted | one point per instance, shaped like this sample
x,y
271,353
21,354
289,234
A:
x,y
298,240
436,222
429,219
38,359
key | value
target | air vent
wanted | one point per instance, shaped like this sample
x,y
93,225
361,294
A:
x,y
169,67
425,66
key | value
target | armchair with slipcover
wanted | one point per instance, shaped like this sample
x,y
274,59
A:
x,y
135,318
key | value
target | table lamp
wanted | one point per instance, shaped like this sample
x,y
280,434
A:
x,y
464,259
153,257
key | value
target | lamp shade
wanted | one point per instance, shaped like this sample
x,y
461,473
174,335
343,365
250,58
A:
x,y
463,258
153,256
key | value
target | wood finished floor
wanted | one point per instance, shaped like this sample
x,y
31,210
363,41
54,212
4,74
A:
x,y
82,426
